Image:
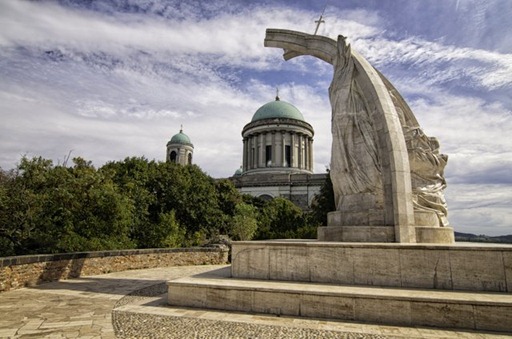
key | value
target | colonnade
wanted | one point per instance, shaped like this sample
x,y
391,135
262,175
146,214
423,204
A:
x,y
278,148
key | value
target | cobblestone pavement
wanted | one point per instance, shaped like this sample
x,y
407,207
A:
x,y
132,304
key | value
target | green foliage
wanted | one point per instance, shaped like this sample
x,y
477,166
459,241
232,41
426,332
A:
x,y
280,219
244,223
158,189
324,203
60,209
134,203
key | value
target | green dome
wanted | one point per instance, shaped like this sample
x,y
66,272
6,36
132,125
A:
x,y
180,138
277,109
239,172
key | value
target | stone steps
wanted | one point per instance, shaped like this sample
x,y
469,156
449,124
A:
x,y
384,305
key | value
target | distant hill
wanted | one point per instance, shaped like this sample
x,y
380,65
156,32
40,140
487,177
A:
x,y
504,239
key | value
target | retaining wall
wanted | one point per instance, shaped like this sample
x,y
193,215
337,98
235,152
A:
x,y
30,270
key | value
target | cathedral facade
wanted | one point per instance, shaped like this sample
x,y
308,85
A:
x,y
278,156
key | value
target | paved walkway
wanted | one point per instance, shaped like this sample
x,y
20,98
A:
x,y
132,304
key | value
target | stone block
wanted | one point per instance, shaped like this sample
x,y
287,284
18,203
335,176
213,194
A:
x,y
492,318
272,303
327,265
228,299
425,218
434,235
507,263
459,267
250,261
439,314
322,306
189,296
478,270
425,269
376,267
288,263
383,311
356,233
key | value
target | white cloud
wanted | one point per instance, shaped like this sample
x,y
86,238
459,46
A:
x,y
440,62
480,209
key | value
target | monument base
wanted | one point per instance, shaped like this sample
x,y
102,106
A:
x,y
384,234
392,306
454,286
434,235
356,233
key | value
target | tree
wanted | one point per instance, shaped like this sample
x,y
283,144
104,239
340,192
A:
x,y
324,203
60,209
244,223
159,188
280,219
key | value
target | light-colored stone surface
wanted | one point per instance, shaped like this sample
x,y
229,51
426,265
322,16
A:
x,y
434,235
77,308
482,267
356,233
392,306
384,169
66,309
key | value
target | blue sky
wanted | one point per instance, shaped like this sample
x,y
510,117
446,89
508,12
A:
x,y
111,79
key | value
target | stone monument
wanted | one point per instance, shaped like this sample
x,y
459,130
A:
x,y
388,179
387,174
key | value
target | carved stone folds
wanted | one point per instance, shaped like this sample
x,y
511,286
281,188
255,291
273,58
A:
x,y
385,171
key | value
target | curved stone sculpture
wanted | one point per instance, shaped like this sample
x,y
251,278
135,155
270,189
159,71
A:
x,y
387,175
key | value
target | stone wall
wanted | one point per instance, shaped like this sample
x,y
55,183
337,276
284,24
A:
x,y
30,270
462,266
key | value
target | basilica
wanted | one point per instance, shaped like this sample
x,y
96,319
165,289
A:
x,y
277,156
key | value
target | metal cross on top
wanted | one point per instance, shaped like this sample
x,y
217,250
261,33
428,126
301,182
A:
x,y
320,20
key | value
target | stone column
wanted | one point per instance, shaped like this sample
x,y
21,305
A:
x,y
244,154
253,151
292,149
261,150
283,149
299,151
311,160
306,152
274,148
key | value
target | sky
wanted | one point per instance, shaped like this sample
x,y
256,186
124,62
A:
x,y
106,80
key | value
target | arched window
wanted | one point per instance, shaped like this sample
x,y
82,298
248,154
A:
x,y
266,197
172,157
190,158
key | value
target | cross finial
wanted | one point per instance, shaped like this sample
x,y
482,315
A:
x,y
181,128
277,93
320,20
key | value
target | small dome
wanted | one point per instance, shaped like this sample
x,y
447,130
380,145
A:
x,y
277,109
238,172
180,138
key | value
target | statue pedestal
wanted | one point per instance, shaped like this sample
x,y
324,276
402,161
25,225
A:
x,y
452,286
369,230
383,234
434,235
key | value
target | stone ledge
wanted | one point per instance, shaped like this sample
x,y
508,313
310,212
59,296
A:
x,y
394,306
441,267
29,259
17,272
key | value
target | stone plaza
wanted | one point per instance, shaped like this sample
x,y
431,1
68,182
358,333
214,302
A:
x,y
133,304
